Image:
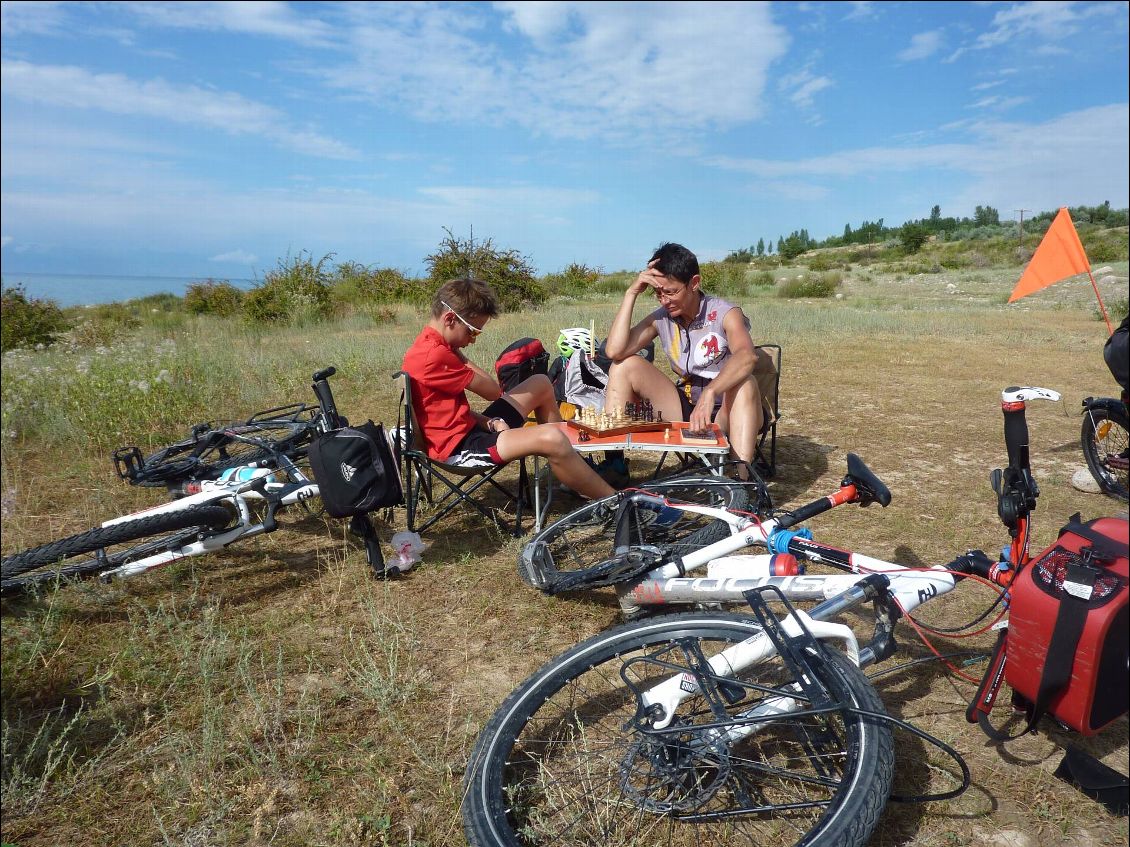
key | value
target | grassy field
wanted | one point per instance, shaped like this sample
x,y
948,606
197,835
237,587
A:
x,y
276,694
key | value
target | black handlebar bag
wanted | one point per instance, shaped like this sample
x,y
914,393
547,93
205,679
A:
x,y
355,470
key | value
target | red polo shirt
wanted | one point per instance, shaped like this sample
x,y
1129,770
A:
x,y
439,382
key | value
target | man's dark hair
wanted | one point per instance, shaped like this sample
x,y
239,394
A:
x,y
676,261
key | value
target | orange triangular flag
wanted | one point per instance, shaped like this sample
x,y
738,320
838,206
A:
x,y
1059,256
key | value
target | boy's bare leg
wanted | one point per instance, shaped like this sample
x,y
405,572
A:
x,y
636,378
535,394
566,464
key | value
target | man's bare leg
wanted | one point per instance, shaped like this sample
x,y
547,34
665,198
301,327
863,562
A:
x,y
636,378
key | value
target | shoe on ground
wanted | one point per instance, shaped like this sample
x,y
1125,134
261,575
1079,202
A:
x,y
614,471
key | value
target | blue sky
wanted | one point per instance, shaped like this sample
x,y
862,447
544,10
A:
x,y
214,139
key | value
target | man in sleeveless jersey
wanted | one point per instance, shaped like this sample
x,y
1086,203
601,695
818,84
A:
x,y
708,345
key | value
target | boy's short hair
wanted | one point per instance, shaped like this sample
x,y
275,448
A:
x,y
469,297
676,261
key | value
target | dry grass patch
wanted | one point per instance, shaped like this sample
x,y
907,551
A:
x,y
276,694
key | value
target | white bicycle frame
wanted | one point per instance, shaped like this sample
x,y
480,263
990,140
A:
x,y
235,491
667,584
909,588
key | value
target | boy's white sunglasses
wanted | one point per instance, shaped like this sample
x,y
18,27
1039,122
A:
x,y
471,328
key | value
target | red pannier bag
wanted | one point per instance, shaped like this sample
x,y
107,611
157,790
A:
x,y
1068,630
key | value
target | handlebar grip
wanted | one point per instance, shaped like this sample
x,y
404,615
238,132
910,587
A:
x,y
1016,437
325,396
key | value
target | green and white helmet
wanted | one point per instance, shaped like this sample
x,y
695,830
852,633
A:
x,y
574,338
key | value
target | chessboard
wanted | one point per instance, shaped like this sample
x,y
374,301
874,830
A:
x,y
635,417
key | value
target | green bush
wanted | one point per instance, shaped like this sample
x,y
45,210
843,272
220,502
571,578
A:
x,y
810,285
28,322
763,279
822,262
508,272
913,236
296,293
106,324
726,279
1116,310
575,280
361,287
211,297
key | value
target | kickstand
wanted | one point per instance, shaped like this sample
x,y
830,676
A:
x,y
362,526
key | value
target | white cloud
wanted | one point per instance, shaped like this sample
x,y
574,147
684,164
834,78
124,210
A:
x,y
5,240
239,257
31,18
517,197
860,10
1043,22
998,103
248,17
605,70
77,88
922,46
1042,166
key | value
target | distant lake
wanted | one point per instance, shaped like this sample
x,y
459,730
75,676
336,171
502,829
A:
x,y
84,290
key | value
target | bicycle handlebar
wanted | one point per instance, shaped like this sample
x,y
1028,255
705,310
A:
x,y
325,397
861,485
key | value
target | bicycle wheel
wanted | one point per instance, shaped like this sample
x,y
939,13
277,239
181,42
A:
x,y
208,454
113,545
578,551
1106,446
571,759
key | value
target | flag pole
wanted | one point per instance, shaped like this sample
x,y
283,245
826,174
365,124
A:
x,y
1102,308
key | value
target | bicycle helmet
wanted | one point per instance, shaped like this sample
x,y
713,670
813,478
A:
x,y
574,338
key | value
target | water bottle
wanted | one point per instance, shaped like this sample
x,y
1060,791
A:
x,y
749,566
245,473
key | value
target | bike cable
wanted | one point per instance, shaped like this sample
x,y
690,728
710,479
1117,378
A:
x,y
966,777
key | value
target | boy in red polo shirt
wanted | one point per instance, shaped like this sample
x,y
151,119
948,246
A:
x,y
441,375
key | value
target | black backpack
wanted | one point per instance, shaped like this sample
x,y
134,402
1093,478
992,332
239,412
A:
x,y
521,360
355,470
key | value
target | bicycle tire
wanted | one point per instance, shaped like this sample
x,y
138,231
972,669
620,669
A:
x,y
208,454
1105,436
565,761
38,565
577,552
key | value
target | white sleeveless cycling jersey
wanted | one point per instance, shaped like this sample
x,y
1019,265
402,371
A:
x,y
698,353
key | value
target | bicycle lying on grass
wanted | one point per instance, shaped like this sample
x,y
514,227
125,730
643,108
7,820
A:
x,y
228,483
707,727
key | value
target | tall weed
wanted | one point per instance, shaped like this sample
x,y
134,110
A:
x,y
297,293
28,322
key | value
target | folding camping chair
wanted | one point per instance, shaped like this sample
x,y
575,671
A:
x,y
769,382
457,485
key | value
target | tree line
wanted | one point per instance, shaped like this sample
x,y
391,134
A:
x,y
915,233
